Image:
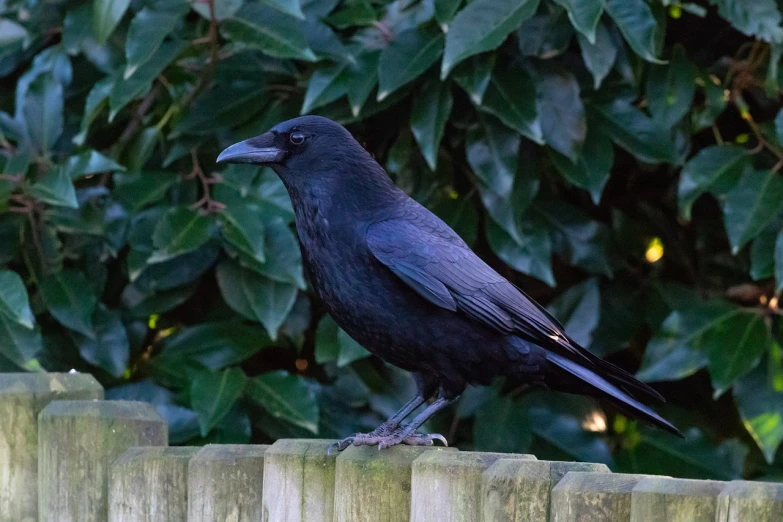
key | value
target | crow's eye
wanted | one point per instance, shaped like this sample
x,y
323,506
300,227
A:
x,y
297,138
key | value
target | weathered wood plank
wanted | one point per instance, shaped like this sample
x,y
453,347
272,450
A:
x,y
78,440
299,481
150,484
22,397
587,497
225,483
514,490
743,500
372,485
665,499
447,485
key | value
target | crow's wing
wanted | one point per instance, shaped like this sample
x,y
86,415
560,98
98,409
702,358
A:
x,y
433,261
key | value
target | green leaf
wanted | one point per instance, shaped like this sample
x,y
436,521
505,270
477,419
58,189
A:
x,y
632,130
55,188
560,110
68,298
715,169
327,84
332,344
43,112
96,100
11,33
460,214
428,119
108,348
675,352
138,84
289,7
222,107
445,11
670,89
660,453
779,262
779,127
502,425
482,26
511,97
287,397
759,18
260,27
474,74
285,266
14,303
407,57
90,162
361,79
244,228
762,253
599,56
353,15
761,407
578,310
584,16
214,345
532,255
106,16
223,8
180,231
734,347
136,191
18,343
147,31
255,296
492,152
752,203
592,169
212,395
638,25
545,35
77,28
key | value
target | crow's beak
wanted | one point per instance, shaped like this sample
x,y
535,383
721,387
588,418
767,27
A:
x,y
259,151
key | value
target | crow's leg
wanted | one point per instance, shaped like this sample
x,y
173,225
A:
x,y
425,388
408,434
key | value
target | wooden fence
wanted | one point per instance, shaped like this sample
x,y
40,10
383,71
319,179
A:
x,y
66,455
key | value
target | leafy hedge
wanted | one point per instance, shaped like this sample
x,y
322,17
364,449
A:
x,y
620,159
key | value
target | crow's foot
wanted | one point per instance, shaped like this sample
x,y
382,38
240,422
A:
x,y
385,438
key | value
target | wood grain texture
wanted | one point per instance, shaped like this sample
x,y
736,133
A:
x,y
589,496
757,501
664,499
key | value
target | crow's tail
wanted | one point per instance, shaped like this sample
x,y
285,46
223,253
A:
x,y
602,388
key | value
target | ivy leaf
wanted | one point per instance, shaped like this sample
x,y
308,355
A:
x,y
289,7
760,405
106,16
670,89
260,27
599,56
68,298
734,347
137,191
760,18
632,130
287,397
285,266
109,348
445,11
715,169
638,25
750,205
55,188
428,119
180,231
482,26
90,162
244,229
532,255
96,100
545,35
326,85
147,31
407,57
212,395
255,296
362,77
578,310
14,303
474,74
18,343
43,111
332,344
560,110
584,16
511,97
592,169
492,151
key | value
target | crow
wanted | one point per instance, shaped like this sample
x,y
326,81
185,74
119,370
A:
x,y
405,286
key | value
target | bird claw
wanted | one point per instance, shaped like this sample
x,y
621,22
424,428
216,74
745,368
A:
x,y
387,439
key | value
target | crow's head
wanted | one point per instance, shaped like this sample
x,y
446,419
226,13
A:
x,y
297,147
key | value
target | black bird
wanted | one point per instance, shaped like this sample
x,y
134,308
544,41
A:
x,y
405,286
